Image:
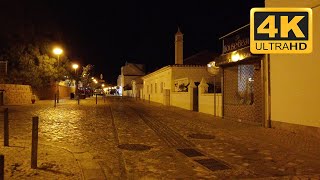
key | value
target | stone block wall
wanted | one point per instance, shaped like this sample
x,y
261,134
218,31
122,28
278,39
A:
x,y
48,93
16,94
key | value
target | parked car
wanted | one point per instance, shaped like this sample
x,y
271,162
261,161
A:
x,y
98,92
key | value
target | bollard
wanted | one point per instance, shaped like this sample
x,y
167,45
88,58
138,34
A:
x,y
1,167
34,147
78,100
6,127
55,100
58,95
96,99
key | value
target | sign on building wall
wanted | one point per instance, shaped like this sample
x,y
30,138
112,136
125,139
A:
x,y
236,47
181,85
237,40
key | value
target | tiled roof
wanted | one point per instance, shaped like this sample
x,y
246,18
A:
x,y
201,58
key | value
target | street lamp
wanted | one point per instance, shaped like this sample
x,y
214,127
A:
x,y
75,67
57,51
214,70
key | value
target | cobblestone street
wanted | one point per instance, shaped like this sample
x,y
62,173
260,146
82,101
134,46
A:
x,y
125,138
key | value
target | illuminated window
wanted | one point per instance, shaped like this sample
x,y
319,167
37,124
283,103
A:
x,y
151,89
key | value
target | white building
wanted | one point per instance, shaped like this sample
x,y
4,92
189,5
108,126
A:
x,y
129,72
272,90
137,87
169,85
294,87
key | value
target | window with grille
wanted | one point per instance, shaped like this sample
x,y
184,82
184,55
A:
x,y
239,84
245,84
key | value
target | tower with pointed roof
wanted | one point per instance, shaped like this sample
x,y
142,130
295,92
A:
x,y
178,47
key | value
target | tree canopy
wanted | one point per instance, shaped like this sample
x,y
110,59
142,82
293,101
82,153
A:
x,y
33,64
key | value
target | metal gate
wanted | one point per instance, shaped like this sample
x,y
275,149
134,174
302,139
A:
x,y
195,99
243,92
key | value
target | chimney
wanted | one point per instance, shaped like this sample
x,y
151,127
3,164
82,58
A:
x,y
178,47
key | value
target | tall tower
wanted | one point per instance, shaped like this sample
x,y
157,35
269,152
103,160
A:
x,y
178,47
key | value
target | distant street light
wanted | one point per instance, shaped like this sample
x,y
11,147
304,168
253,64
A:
x,y
57,51
75,67
214,70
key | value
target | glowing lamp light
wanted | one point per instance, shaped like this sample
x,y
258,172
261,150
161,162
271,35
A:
x,y
212,68
75,66
57,51
235,57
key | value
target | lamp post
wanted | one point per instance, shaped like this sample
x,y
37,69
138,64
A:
x,y
75,67
213,70
57,51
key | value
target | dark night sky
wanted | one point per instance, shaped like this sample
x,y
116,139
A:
x,y
109,33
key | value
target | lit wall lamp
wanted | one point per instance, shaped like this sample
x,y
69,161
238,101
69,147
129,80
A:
x,y
235,56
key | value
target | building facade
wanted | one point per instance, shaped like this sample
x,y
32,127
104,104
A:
x,y
137,87
129,72
171,85
242,78
272,90
294,81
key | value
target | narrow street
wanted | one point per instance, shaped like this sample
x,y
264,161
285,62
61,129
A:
x,y
125,138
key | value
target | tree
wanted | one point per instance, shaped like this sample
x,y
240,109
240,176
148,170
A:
x,y
25,42
85,75
31,64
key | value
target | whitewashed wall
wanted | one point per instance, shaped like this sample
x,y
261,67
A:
x,y
181,100
157,77
194,73
206,103
295,79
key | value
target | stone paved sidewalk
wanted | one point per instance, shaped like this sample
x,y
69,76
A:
x,y
124,138
253,152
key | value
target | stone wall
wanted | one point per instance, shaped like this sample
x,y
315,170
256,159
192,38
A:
x,y
16,94
48,93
